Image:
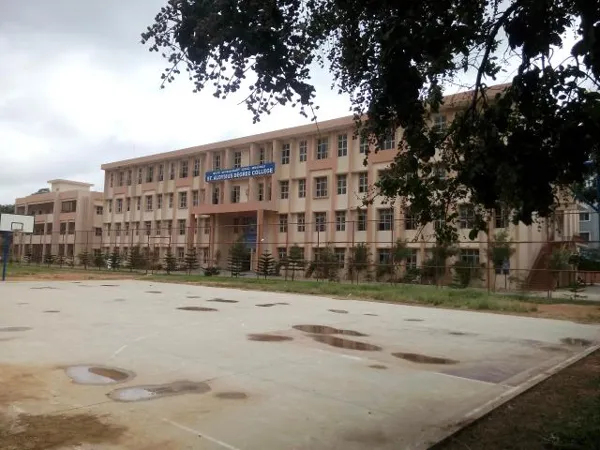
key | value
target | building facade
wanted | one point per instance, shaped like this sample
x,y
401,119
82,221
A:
x,y
68,220
589,223
301,185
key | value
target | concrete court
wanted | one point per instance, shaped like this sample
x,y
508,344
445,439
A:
x,y
300,393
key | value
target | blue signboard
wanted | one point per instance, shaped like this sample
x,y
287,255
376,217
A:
x,y
257,170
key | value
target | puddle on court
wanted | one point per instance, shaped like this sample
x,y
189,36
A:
x,y
155,391
378,366
370,314
413,320
196,308
423,359
263,337
339,311
460,333
222,300
153,292
324,329
22,303
98,375
52,311
43,287
231,395
339,342
193,296
11,329
268,305
109,285
577,342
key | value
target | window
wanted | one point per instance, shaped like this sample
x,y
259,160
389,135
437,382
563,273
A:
x,y
161,172
148,227
302,151
169,227
136,226
321,187
149,202
181,224
140,176
283,223
157,230
121,178
300,222
170,202
119,205
49,229
501,218
285,154
196,172
180,253
98,231
585,236
439,123
109,204
128,204
99,210
284,190
261,192
322,148
384,256
386,219
71,226
281,253
112,176
362,221
261,155
216,194
389,143
182,200
466,216
342,186
126,228
183,169
410,221
342,145
340,256
302,188
138,203
320,221
129,177
159,203
172,171
364,145
117,229
411,259
195,198
584,217
340,221
237,160
69,206
469,255
216,161
149,174
235,194
363,182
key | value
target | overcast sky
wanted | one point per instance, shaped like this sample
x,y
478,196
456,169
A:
x,y
77,89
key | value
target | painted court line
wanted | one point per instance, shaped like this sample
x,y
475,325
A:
x,y
202,435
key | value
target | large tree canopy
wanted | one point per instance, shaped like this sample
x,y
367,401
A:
x,y
517,149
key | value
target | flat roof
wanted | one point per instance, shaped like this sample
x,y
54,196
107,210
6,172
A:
x,y
75,183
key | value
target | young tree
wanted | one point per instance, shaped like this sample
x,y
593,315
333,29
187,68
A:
x,y
266,264
394,59
99,260
170,261
500,251
191,260
135,258
28,257
360,257
238,252
326,265
84,258
49,259
295,259
115,259
60,260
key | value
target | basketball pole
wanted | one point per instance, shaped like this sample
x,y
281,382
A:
x,y
5,251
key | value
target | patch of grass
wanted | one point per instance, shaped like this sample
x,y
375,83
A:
x,y
473,299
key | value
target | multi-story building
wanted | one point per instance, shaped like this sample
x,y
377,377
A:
x,y
302,185
68,220
589,225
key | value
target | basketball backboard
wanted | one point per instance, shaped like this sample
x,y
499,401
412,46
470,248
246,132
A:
x,y
16,222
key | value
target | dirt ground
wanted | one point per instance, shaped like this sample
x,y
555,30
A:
x,y
72,276
541,417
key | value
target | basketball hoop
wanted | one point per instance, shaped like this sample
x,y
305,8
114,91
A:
x,y
16,226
